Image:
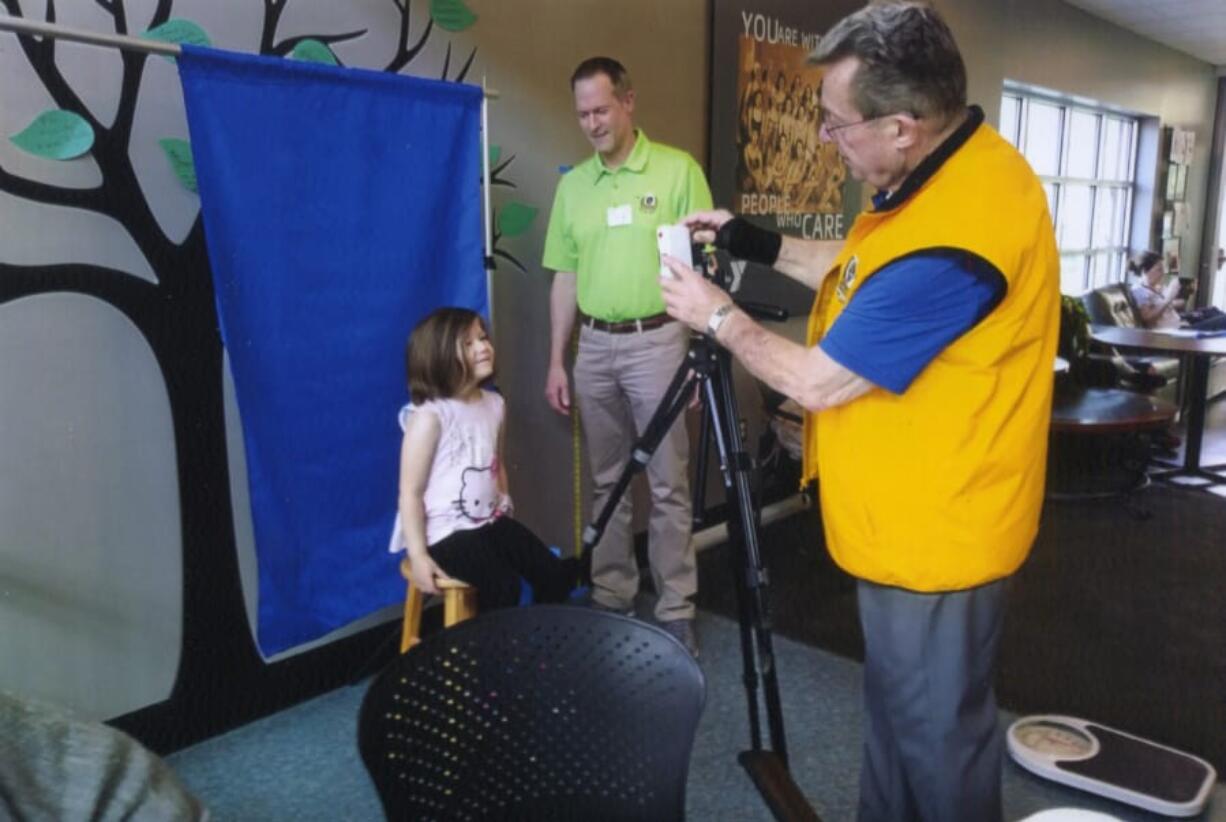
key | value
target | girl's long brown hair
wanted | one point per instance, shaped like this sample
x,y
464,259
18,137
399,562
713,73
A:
x,y
434,355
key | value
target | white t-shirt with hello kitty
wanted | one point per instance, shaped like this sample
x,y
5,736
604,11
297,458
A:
x,y
462,488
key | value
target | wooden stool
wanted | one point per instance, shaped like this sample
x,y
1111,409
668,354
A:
x,y
459,604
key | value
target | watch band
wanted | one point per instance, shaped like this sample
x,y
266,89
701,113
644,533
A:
x,y
717,318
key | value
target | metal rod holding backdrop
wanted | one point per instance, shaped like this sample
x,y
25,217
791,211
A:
x,y
485,191
22,25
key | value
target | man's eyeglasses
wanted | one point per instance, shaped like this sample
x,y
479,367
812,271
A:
x,y
831,130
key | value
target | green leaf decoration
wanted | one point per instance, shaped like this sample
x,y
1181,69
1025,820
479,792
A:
x,y
313,51
451,15
57,135
179,153
179,30
515,218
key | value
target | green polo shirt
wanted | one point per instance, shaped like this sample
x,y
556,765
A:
x,y
603,226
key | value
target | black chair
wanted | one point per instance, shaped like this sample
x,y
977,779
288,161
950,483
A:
x,y
1114,305
1097,366
545,713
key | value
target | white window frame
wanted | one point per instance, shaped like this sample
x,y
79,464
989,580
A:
x,y
1077,262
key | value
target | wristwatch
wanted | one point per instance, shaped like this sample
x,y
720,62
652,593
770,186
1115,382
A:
x,y
717,318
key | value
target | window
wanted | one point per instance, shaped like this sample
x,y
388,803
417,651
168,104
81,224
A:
x,y
1087,160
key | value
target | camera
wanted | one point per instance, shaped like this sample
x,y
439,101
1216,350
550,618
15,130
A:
x,y
674,240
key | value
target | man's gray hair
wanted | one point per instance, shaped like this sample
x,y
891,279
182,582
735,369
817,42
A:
x,y
909,61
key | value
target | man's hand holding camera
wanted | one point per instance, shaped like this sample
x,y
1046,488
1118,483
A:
x,y
695,301
704,225
807,375
690,298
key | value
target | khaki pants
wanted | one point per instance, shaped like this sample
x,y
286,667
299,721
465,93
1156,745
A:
x,y
619,382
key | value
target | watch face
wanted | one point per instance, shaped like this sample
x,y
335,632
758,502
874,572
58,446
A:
x,y
1054,739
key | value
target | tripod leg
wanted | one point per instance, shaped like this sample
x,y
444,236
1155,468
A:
x,y
711,369
749,673
767,768
743,530
698,509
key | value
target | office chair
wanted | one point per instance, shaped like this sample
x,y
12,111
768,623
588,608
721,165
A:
x,y
545,713
1102,365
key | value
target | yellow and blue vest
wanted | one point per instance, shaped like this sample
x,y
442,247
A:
x,y
939,488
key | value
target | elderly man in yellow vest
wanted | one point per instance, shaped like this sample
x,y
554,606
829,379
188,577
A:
x,y
927,380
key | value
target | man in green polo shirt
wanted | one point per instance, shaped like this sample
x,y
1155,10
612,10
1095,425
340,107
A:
x,y
602,245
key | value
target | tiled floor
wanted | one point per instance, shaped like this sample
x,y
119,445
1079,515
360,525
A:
x,y
1213,449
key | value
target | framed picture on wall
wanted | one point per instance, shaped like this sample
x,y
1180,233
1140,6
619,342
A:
x,y
1182,222
1170,249
767,163
1181,183
1182,142
1172,180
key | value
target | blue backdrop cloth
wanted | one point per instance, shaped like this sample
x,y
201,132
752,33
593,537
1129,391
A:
x,y
340,206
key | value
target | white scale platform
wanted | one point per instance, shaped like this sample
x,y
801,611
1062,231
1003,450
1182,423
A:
x,y
1111,763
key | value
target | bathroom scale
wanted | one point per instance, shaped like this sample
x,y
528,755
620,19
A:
x,y
1112,763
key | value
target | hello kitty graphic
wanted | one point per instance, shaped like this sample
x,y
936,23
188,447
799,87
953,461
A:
x,y
478,500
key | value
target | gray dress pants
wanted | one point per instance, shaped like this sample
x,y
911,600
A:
x,y
932,746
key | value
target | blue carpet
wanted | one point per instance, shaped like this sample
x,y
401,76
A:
x,y
303,764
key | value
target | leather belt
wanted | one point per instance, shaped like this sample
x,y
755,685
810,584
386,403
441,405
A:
x,y
625,326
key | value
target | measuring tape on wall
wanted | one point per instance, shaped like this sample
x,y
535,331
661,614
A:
x,y
576,456
577,490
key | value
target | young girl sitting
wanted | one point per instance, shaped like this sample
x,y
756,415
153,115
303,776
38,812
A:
x,y
455,513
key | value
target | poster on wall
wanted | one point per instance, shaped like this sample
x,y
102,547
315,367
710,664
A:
x,y
767,161
1183,145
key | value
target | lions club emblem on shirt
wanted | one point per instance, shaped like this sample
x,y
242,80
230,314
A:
x,y
846,279
648,203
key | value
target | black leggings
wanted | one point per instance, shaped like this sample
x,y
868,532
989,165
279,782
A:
x,y
493,559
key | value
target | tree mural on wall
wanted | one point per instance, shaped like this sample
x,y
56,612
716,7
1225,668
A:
x,y
219,669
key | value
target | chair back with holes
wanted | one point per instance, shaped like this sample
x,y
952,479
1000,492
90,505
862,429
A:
x,y
545,713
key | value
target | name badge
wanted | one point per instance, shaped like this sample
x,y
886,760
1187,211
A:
x,y
620,215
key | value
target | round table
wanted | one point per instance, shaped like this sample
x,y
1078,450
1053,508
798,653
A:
x,y
1098,446
1197,352
1108,410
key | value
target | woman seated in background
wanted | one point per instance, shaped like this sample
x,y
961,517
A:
x,y
1160,304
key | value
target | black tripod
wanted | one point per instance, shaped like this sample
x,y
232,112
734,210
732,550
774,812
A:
x,y
709,367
